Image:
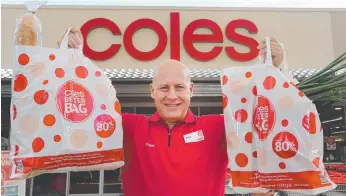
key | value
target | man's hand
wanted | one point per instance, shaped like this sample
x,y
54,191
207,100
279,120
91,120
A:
x,y
276,50
75,38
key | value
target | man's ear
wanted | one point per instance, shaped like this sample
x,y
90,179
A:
x,y
152,90
192,85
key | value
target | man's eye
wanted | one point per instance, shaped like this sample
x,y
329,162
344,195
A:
x,y
180,87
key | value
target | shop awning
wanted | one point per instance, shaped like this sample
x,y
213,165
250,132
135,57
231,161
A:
x,y
207,82
146,74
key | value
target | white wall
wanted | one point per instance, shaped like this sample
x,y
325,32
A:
x,y
311,39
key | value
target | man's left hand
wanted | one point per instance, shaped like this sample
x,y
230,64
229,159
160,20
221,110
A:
x,y
276,50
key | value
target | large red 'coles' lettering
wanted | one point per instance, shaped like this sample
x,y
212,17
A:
x,y
145,23
241,39
96,23
190,38
175,36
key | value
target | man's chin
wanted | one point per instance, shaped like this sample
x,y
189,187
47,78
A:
x,y
173,117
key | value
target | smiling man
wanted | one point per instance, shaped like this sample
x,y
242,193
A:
x,y
173,152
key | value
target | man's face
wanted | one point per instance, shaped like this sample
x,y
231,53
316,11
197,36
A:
x,y
172,91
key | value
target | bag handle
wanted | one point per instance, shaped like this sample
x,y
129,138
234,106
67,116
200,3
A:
x,y
64,42
268,57
284,59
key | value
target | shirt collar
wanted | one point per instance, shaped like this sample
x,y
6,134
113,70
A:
x,y
189,117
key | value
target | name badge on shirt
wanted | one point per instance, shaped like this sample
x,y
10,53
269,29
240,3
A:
x,y
194,137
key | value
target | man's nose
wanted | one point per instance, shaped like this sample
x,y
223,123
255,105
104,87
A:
x,y
172,94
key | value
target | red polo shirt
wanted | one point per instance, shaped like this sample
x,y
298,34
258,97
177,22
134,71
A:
x,y
159,162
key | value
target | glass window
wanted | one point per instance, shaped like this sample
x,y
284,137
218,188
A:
x,y
5,122
127,110
84,182
49,184
194,110
210,110
145,110
28,186
112,181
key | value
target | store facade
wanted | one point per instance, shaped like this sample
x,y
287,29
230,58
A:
x,y
128,42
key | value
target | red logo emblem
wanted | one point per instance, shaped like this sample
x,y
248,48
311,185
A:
x,y
285,145
74,102
263,117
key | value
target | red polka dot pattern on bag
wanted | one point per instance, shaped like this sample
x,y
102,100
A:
x,y
309,123
224,101
57,138
97,73
81,72
241,160
49,120
282,165
103,107
59,73
117,107
99,144
38,144
23,59
16,150
301,94
41,97
224,80
241,115
269,82
20,83
248,137
14,112
243,100
248,74
45,82
286,85
254,90
52,57
254,154
284,123
316,162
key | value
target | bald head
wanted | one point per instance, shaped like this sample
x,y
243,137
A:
x,y
172,90
171,67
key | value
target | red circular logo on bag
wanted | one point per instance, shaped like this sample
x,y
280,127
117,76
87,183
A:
x,y
104,125
285,145
74,102
263,117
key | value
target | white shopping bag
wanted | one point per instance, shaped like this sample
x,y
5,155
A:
x,y
65,114
274,135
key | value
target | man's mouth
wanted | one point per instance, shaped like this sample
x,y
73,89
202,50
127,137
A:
x,y
172,105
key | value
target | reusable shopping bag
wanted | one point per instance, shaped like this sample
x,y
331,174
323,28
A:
x,y
273,131
65,115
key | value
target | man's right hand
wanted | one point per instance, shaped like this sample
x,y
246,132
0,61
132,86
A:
x,y
75,38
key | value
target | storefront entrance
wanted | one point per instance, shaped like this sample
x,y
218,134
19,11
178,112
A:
x,y
135,97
